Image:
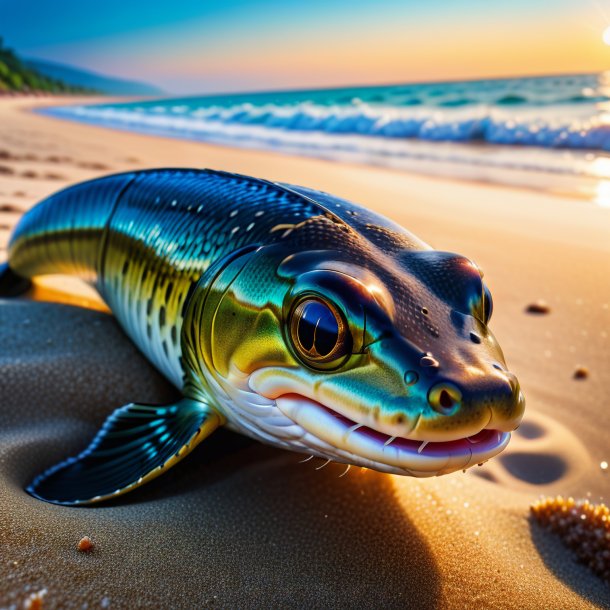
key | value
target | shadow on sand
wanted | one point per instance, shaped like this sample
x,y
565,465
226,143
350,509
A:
x,y
563,563
290,535
235,525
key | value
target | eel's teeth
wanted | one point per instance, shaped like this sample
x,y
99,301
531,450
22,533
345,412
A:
x,y
306,459
345,471
325,464
422,446
390,440
350,430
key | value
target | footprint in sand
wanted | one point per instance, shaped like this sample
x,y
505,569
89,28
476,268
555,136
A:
x,y
93,165
541,453
9,208
58,159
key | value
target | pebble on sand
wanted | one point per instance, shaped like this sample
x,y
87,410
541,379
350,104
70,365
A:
x,y
582,526
538,307
85,544
581,372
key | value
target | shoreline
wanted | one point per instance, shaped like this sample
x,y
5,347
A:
x,y
586,187
243,525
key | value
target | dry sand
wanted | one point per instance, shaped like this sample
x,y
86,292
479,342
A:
x,y
242,525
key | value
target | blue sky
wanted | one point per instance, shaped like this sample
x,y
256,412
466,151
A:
x,y
190,47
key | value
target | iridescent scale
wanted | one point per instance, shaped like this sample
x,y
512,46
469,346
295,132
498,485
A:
x,y
144,239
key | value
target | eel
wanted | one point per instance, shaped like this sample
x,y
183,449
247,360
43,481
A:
x,y
284,313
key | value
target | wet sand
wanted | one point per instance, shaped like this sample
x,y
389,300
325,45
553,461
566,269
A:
x,y
238,524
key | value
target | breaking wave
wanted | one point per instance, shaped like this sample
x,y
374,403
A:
x,y
552,124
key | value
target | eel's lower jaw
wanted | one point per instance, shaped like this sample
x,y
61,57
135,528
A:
x,y
361,445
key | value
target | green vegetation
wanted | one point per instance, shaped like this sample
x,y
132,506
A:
x,y
16,76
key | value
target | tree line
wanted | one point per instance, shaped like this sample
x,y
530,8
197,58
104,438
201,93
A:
x,y
16,76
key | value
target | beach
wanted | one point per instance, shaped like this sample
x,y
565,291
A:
x,y
238,524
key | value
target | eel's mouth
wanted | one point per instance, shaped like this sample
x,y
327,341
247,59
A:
x,y
361,445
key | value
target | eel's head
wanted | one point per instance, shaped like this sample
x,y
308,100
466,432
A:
x,y
389,365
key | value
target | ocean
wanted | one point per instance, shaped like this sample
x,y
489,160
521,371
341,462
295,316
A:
x,y
527,131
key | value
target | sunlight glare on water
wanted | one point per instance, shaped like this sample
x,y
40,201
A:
x,y
600,167
602,194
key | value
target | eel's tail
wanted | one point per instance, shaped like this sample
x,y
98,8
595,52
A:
x,y
63,234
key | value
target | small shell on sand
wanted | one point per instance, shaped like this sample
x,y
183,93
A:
x,y
538,307
582,526
581,372
34,601
85,544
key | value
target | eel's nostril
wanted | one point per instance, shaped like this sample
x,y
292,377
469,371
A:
x,y
445,398
512,381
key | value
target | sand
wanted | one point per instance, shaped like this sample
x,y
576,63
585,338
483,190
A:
x,y
241,525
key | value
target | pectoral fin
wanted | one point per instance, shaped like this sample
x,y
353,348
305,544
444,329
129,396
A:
x,y
136,444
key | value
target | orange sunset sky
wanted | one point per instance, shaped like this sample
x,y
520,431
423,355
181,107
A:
x,y
193,46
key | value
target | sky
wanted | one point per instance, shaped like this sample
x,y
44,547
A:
x,y
197,46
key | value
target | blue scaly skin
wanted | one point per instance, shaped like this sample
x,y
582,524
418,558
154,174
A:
x,y
287,314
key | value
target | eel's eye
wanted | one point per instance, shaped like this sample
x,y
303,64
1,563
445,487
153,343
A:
x,y
488,304
319,332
